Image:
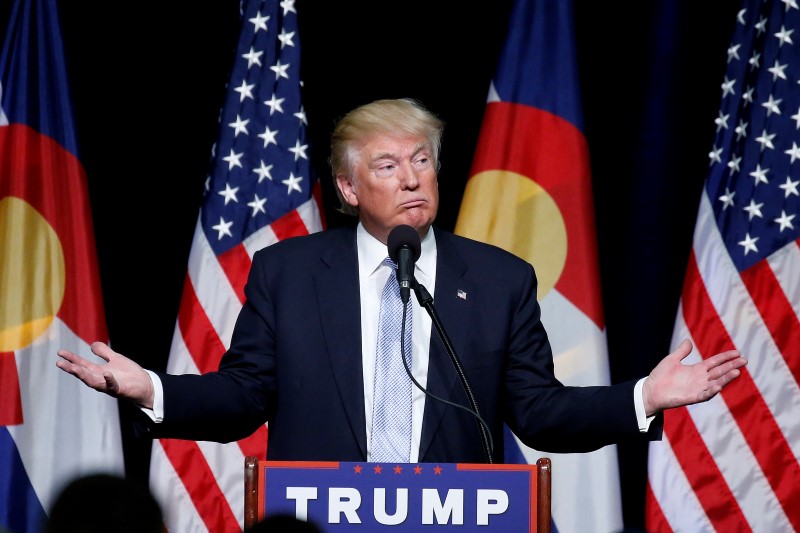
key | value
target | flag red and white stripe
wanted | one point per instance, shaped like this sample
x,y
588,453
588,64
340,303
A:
x,y
260,190
731,464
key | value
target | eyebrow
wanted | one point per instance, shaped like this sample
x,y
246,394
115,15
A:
x,y
391,155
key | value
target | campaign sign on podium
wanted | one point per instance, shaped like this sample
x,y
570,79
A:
x,y
345,496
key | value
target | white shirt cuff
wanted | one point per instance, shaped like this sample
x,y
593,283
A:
x,y
156,414
638,401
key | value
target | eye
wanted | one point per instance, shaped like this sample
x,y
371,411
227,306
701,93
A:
x,y
422,162
385,171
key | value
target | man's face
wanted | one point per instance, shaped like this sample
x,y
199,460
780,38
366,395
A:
x,y
394,182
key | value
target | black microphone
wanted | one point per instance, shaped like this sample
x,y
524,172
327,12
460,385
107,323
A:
x,y
404,249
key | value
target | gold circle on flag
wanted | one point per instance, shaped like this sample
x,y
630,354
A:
x,y
32,274
515,213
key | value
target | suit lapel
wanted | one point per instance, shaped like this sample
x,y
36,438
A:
x,y
454,308
339,302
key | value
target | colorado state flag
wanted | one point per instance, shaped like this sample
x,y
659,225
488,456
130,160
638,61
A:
x,y
52,427
530,193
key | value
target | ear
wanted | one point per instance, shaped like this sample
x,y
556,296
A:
x,y
347,189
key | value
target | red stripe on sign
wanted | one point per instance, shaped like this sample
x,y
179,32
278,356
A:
x,y
198,333
744,401
655,520
191,466
701,471
236,265
777,312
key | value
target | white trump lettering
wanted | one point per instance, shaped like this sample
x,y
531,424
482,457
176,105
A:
x,y
453,506
343,500
491,502
301,495
401,507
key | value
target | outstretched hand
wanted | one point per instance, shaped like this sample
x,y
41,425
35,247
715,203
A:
x,y
673,384
120,377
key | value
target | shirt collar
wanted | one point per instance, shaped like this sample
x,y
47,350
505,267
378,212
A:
x,y
372,252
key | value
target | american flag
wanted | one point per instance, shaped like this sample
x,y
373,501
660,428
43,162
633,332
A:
x,y
732,464
260,190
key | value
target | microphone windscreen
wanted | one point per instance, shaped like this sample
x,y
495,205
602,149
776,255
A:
x,y
403,235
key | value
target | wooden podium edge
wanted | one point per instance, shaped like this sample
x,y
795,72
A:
x,y
543,517
250,492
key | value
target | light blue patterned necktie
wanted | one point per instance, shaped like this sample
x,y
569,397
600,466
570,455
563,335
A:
x,y
391,410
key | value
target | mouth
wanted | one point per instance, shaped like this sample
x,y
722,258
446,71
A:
x,y
410,204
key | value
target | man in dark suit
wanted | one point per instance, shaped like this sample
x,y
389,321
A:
x,y
303,352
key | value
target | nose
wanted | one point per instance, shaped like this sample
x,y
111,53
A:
x,y
409,178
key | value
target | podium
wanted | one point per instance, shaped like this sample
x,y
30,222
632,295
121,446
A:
x,y
348,496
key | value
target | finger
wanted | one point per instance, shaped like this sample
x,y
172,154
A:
x,y
724,362
70,357
112,387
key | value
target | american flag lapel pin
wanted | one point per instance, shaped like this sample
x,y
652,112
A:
x,y
461,294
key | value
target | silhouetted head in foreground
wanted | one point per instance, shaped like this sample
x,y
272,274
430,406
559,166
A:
x,y
101,503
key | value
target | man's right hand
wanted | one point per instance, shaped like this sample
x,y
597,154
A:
x,y
120,377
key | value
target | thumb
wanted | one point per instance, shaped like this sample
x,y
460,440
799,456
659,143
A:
x,y
102,350
682,351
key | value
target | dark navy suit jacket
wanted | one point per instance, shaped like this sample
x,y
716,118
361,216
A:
x,y
295,361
